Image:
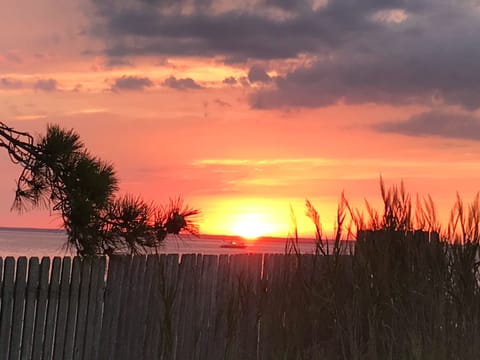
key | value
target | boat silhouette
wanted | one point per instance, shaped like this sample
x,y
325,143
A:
x,y
234,244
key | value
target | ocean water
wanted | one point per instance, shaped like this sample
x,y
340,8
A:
x,y
45,242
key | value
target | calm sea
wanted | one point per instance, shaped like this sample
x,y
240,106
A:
x,y
41,242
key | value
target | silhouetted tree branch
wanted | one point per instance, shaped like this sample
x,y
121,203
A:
x,y
59,172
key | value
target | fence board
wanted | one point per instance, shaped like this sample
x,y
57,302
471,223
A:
x,y
199,309
206,282
82,308
99,310
31,302
267,312
41,311
7,307
127,321
133,331
246,321
178,307
169,299
183,274
72,308
18,308
145,320
119,265
165,286
153,327
234,283
126,313
122,324
251,324
110,299
53,296
202,305
209,277
221,306
62,309
191,321
186,324
94,313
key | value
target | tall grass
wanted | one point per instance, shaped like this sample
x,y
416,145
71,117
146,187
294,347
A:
x,y
409,290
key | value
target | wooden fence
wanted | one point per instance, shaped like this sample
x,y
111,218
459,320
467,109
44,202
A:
x,y
146,307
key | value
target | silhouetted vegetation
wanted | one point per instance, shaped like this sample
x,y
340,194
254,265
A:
x,y
60,173
404,289
408,290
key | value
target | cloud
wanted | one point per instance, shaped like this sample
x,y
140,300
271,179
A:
x,y
388,76
11,56
390,52
222,103
9,83
263,30
436,123
118,62
181,84
131,83
47,85
258,74
264,162
31,117
230,80
244,81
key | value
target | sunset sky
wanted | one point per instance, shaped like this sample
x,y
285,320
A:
x,y
246,108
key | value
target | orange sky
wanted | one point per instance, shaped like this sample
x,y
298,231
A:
x,y
245,128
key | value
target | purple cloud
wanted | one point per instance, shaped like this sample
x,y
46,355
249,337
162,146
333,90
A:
x,y
131,83
47,85
181,84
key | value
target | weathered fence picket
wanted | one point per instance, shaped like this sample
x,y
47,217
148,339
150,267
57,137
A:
x,y
82,309
99,308
18,308
53,295
221,304
72,309
62,309
41,311
8,284
91,308
31,300
120,320
152,323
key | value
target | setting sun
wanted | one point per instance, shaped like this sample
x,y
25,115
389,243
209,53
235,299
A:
x,y
251,226
255,217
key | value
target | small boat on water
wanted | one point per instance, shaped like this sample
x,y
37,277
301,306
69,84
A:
x,y
234,244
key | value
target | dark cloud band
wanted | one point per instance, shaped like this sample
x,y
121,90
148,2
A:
x,y
47,85
181,84
390,51
436,123
131,83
